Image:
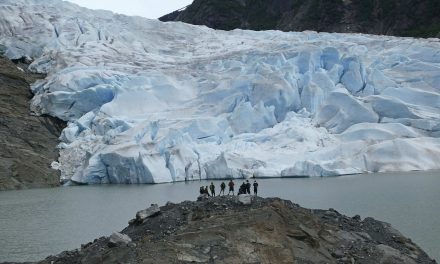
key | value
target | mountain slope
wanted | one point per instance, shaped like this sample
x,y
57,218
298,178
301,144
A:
x,y
413,18
28,143
150,102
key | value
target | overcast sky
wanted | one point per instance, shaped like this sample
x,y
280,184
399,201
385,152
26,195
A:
x,y
145,8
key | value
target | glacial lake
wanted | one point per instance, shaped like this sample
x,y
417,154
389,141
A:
x,y
42,222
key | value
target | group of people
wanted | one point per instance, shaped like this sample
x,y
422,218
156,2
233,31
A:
x,y
245,188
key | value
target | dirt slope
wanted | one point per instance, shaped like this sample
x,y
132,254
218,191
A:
x,y
27,143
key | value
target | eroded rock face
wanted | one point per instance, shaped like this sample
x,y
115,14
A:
x,y
393,17
223,230
27,143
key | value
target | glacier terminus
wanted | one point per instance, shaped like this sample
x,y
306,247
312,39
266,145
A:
x,y
152,102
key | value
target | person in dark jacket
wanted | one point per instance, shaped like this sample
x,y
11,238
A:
x,y
242,189
222,188
212,188
255,187
248,187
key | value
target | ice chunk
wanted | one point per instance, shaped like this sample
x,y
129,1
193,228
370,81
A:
x,y
247,118
354,75
378,132
391,107
342,110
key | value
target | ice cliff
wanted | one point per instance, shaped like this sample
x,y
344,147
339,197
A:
x,y
151,102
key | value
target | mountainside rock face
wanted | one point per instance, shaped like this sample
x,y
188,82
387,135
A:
x,y
27,143
223,230
391,17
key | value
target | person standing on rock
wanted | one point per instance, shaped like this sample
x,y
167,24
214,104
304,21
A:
x,y
212,188
222,188
206,191
242,189
231,187
255,187
248,187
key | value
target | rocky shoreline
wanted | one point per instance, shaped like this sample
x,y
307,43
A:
x,y
247,229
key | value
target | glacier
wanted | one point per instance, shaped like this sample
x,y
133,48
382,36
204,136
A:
x,y
153,102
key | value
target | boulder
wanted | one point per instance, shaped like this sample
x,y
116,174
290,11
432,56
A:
x,y
117,239
245,199
357,218
152,211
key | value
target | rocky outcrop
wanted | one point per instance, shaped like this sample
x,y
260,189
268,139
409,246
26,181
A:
x,y
392,17
27,143
224,230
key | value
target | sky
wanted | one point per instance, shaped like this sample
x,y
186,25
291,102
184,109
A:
x,y
145,8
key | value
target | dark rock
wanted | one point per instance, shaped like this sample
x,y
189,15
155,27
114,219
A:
x,y
400,239
330,213
334,211
202,197
338,254
28,143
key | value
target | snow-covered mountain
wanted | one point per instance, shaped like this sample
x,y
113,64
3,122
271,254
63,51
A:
x,y
148,101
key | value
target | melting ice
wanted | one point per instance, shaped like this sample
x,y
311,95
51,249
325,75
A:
x,y
150,102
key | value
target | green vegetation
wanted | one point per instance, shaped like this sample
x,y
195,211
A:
x,y
426,25
414,18
387,8
365,9
321,14
258,16
424,32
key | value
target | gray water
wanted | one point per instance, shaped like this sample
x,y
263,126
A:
x,y
38,223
